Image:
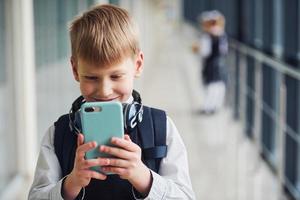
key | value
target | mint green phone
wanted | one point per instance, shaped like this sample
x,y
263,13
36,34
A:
x,y
100,122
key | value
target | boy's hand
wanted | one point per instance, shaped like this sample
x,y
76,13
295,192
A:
x,y
81,174
127,164
195,48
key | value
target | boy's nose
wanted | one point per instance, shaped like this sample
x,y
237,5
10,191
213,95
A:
x,y
104,90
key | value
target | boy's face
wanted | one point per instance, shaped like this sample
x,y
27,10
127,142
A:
x,y
214,26
107,83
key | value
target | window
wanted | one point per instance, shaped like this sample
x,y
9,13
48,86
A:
x,y
250,97
269,113
268,24
292,136
291,55
52,53
247,22
291,33
277,46
237,86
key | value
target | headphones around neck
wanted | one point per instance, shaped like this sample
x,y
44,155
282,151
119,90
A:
x,y
132,113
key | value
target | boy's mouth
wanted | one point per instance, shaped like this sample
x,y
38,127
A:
x,y
110,99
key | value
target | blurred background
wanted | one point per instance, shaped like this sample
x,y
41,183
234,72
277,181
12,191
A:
x,y
249,150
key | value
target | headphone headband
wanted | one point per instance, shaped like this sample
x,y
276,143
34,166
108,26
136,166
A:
x,y
77,103
80,100
136,97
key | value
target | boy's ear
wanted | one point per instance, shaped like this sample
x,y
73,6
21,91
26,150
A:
x,y
139,64
74,68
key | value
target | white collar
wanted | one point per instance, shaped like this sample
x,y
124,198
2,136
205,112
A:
x,y
129,100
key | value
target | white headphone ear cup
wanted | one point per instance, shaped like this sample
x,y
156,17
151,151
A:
x,y
131,116
140,116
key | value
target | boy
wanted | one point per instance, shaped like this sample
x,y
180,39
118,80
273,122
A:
x,y
105,60
213,47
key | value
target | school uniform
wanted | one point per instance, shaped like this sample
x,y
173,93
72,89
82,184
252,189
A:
x,y
214,71
171,182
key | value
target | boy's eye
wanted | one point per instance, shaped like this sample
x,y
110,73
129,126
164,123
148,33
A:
x,y
91,78
117,76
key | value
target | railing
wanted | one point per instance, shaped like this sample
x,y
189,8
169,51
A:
x,y
265,94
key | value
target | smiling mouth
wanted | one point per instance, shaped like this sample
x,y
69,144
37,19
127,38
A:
x,y
110,99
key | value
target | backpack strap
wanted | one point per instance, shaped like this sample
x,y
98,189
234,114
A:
x,y
152,132
64,144
160,130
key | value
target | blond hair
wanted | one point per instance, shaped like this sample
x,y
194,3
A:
x,y
104,35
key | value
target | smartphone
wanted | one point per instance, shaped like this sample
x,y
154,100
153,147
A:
x,y
100,122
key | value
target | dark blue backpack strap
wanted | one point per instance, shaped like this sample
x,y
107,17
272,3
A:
x,y
64,144
152,132
160,130
146,136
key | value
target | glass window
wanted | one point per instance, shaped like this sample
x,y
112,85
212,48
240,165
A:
x,y
292,136
192,9
277,47
269,112
66,11
52,52
291,55
291,34
232,19
250,98
268,24
45,19
258,16
237,86
248,22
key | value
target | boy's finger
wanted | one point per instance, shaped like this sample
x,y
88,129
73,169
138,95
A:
x,y
117,170
80,139
83,148
124,143
127,137
115,162
94,174
94,162
115,151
